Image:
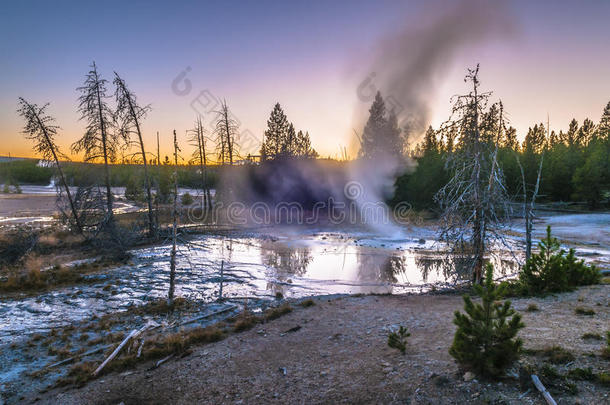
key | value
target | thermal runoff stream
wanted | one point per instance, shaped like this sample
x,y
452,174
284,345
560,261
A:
x,y
293,263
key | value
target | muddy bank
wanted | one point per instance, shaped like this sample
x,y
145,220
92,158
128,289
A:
x,y
339,355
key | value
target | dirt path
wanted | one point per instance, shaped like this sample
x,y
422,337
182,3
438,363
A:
x,y
340,355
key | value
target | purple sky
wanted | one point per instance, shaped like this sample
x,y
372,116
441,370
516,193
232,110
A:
x,y
310,56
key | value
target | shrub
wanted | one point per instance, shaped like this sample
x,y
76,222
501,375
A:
x,y
186,199
398,339
134,190
532,308
485,338
550,270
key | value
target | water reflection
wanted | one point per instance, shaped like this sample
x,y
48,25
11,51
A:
x,y
254,267
289,260
381,268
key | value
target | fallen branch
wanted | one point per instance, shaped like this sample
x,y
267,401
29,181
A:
x,y
140,349
132,335
163,360
220,311
69,359
547,396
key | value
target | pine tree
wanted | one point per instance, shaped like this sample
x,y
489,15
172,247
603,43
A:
x,y
485,338
374,128
510,139
430,141
382,137
288,147
275,135
585,132
535,140
551,270
570,137
603,129
303,146
392,143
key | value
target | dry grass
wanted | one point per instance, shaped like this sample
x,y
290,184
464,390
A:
x,y
275,313
245,320
592,336
161,306
307,303
557,355
584,311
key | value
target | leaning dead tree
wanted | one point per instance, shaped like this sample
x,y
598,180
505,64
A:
x,y
40,127
172,260
197,137
130,115
529,204
99,140
474,202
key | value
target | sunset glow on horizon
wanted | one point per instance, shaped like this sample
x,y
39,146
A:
x,y
309,57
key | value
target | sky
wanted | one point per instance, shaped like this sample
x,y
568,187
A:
x,y
312,57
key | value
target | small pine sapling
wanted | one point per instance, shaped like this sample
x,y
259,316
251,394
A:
x,y
398,339
485,338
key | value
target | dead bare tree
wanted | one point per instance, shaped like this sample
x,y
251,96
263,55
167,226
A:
x,y
100,141
40,127
225,130
198,139
529,205
158,186
130,114
474,202
172,260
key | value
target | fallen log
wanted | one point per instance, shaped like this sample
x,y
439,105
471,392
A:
x,y
132,335
547,396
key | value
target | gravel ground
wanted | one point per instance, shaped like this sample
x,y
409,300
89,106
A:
x,y
340,355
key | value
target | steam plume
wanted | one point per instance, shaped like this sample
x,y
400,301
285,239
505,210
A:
x,y
408,65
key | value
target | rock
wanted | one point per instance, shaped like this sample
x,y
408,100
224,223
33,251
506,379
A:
x,y
388,369
469,376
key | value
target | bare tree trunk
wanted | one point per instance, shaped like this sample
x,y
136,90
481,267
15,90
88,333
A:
x,y
528,207
225,111
158,193
479,240
109,196
172,271
151,225
207,201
